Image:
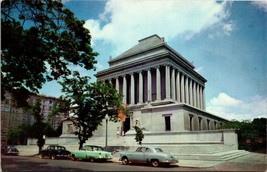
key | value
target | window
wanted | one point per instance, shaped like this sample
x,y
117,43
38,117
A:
x,y
167,123
208,124
167,118
215,125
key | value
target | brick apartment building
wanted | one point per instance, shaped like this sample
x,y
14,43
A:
x,y
12,116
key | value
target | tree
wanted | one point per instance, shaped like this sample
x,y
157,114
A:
x,y
89,103
248,131
40,41
139,136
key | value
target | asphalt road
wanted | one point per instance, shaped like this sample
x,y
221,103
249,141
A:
x,y
20,163
251,162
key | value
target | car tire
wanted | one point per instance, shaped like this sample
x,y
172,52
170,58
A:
x,y
41,156
155,163
73,158
53,157
124,160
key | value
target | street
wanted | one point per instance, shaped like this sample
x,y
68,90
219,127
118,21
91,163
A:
x,y
252,162
20,163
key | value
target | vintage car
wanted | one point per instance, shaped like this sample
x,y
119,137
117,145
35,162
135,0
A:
x,y
91,153
9,150
54,152
148,154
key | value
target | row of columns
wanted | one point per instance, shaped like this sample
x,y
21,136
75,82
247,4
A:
x,y
178,87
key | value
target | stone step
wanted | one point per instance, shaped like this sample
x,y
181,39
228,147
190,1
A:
x,y
222,156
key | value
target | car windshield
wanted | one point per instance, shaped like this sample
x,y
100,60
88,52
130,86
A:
x,y
159,150
93,148
61,148
96,148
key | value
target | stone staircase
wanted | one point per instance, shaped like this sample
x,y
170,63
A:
x,y
221,156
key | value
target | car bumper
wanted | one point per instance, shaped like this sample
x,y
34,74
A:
x,y
172,161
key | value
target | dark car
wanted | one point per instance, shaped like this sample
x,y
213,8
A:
x,y
54,152
9,150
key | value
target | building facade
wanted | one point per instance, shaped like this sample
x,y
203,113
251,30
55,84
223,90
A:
x,y
11,116
161,88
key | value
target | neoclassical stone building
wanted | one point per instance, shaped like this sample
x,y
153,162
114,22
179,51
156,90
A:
x,y
161,88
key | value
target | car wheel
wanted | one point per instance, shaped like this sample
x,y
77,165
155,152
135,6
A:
x,y
155,163
53,156
41,156
125,160
73,158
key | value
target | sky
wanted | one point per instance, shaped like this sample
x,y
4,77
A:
x,y
226,42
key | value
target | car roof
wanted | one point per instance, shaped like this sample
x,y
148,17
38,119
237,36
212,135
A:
x,y
151,147
92,146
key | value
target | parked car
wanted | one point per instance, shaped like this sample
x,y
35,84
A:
x,y
9,150
148,154
91,153
54,152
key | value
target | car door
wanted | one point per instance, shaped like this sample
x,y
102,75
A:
x,y
48,150
148,154
139,155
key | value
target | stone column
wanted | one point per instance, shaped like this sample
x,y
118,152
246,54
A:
x,y
158,84
124,84
201,97
117,84
167,85
197,96
186,90
173,85
132,89
194,94
140,88
182,88
204,100
178,86
149,85
191,92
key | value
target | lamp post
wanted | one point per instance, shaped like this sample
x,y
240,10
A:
x,y
106,143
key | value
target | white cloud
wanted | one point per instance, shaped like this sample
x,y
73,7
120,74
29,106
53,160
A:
x,y
123,22
261,4
231,108
225,100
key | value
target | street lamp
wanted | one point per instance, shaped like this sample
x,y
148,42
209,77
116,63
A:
x,y
106,144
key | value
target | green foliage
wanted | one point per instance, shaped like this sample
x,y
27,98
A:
x,y
34,108
139,136
40,40
19,134
248,131
89,103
